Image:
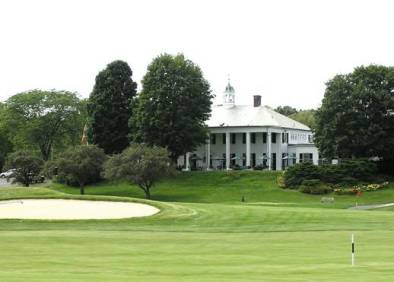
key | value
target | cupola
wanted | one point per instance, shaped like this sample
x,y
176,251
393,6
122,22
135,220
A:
x,y
229,95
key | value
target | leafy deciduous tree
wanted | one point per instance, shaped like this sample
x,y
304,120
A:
x,y
82,164
356,118
306,117
43,119
286,110
27,166
5,143
141,165
174,104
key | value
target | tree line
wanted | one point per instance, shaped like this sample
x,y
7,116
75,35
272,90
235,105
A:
x,y
356,118
170,112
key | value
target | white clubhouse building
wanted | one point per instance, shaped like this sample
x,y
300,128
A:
x,y
251,136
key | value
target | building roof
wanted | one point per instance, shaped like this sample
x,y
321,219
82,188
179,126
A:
x,y
238,116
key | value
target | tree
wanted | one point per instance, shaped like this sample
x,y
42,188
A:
x,y
140,164
286,110
110,107
27,165
306,117
5,143
174,104
80,165
356,118
43,119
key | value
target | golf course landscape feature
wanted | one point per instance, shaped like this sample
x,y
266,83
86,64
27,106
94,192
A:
x,y
203,232
72,209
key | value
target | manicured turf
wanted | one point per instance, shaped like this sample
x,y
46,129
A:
x,y
205,233
230,187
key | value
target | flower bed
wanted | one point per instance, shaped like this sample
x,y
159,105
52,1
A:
x,y
357,189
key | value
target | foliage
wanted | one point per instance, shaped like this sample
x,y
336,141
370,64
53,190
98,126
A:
x,y
286,110
306,117
280,180
356,118
5,143
386,166
259,167
358,169
43,119
315,190
79,165
110,107
314,186
174,104
347,172
140,164
297,173
27,165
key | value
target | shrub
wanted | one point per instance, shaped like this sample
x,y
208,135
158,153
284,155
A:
x,y
348,173
360,188
78,165
347,191
311,182
296,174
359,169
258,167
315,190
386,166
27,166
331,174
347,180
280,181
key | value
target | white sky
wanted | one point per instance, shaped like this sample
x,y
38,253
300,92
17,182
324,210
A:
x,y
282,50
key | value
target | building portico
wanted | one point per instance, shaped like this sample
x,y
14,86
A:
x,y
251,137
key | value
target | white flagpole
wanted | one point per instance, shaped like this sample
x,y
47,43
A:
x,y
352,249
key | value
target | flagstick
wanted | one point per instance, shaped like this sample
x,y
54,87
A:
x,y
352,249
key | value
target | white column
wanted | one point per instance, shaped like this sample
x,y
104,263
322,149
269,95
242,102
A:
x,y
209,153
228,150
187,161
279,157
247,149
269,157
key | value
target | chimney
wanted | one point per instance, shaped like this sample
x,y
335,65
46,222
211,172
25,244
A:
x,y
256,100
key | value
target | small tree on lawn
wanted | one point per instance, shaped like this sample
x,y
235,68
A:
x,y
26,165
140,164
79,165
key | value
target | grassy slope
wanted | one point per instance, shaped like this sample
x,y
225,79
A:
x,y
201,241
222,187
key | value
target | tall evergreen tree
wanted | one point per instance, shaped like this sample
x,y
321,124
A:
x,y
174,104
110,107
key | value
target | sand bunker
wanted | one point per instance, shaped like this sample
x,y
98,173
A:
x,y
72,209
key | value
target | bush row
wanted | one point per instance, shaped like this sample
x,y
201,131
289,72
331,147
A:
x,y
347,172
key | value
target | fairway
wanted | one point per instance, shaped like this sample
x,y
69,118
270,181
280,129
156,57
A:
x,y
288,237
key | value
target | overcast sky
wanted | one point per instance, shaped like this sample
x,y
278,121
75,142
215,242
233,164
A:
x,y
282,50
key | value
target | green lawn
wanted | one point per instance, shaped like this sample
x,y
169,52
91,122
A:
x,y
204,233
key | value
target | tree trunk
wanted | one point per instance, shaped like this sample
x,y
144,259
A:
x,y
147,193
82,189
27,181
